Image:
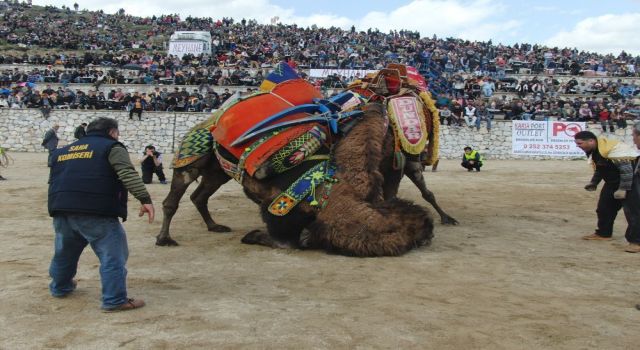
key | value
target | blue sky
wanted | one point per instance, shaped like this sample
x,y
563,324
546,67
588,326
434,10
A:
x,y
602,26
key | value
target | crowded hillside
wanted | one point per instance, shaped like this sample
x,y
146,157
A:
x,y
66,58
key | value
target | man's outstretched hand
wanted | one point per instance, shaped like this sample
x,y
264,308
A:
x,y
590,187
147,208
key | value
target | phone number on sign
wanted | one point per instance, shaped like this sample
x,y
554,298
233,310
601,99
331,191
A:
x,y
536,146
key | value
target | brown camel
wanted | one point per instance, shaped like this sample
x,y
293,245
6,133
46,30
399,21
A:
x,y
212,177
381,226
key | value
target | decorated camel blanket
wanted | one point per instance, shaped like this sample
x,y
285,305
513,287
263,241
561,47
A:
x,y
411,110
197,143
238,118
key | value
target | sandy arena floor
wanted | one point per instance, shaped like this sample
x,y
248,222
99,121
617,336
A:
x,y
513,275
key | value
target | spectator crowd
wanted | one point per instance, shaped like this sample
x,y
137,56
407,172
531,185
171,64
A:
x,y
73,46
120,39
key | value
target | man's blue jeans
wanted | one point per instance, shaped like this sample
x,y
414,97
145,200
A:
x,y
107,239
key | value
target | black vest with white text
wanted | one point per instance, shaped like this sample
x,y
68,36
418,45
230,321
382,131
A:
x,y
83,181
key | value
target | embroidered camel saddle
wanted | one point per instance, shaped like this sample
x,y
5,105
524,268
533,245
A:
x,y
410,108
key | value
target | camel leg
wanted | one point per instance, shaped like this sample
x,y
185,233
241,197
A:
x,y
179,183
413,170
211,182
391,184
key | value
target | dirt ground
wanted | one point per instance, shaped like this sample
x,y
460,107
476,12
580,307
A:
x,y
513,275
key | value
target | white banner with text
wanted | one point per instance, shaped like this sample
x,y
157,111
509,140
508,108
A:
x,y
349,73
546,138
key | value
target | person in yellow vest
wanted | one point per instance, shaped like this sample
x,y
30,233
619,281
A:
x,y
471,159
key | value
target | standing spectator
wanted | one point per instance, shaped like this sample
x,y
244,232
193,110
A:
x,y
98,168
50,141
471,159
80,131
151,162
613,163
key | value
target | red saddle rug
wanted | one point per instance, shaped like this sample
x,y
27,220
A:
x,y
244,114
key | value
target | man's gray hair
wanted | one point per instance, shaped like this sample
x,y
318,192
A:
x,y
636,128
102,124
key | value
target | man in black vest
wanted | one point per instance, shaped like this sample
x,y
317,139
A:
x,y
88,187
151,162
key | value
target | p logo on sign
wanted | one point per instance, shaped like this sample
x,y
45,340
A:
x,y
569,129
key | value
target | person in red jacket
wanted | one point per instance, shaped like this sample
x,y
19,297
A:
x,y
605,119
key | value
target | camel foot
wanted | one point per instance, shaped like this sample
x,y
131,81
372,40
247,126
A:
x,y
166,242
219,228
256,237
448,220
305,239
263,238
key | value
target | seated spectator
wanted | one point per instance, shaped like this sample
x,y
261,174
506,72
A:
x,y
568,113
605,119
445,115
528,111
485,115
488,87
470,115
618,118
584,113
137,105
457,114
46,106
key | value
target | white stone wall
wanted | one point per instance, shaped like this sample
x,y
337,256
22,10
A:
x,y
22,130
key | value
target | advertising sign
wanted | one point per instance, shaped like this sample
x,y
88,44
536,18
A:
x,y
546,138
349,73
181,48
